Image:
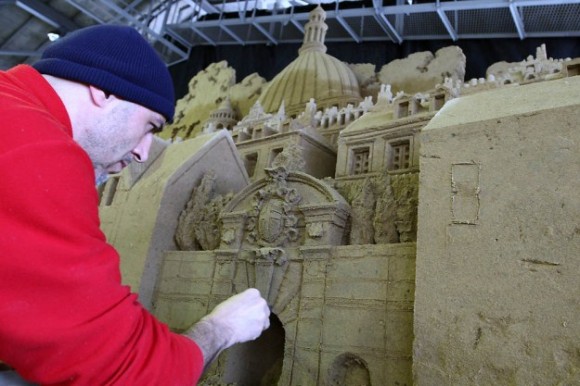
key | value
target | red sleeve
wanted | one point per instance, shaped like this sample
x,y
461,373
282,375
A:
x,y
65,318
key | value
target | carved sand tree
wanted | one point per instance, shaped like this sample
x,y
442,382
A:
x,y
384,209
395,217
385,214
362,214
198,225
406,192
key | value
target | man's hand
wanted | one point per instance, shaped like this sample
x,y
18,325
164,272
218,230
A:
x,y
242,317
238,319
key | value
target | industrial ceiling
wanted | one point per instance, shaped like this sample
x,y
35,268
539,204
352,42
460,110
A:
x,y
174,27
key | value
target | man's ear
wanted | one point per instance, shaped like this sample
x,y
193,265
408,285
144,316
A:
x,y
100,97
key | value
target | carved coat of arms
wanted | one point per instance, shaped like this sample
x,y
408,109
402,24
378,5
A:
x,y
272,221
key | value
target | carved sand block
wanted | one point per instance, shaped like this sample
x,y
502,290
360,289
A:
x,y
498,246
140,218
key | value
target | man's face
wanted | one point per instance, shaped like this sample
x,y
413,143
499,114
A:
x,y
120,136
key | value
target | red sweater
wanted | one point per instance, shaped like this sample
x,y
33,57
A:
x,y
65,318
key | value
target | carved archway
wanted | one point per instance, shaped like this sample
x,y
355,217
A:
x,y
259,362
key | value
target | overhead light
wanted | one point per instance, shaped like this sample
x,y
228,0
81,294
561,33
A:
x,y
410,2
52,36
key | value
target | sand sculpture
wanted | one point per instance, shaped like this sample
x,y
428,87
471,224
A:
x,y
402,237
498,245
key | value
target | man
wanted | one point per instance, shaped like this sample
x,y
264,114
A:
x,y
88,108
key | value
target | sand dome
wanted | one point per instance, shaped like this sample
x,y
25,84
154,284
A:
x,y
314,74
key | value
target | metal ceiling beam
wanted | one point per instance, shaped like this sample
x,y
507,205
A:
x,y
384,23
207,38
517,20
447,24
296,24
264,32
203,5
19,53
138,23
390,19
469,5
380,13
348,29
177,37
563,34
345,25
232,34
90,14
134,21
388,28
391,10
45,13
498,35
110,4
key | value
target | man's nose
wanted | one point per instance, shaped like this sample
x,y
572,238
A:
x,y
141,152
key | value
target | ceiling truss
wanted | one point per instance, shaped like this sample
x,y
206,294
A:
x,y
174,27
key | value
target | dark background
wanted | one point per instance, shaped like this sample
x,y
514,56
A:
x,y
269,60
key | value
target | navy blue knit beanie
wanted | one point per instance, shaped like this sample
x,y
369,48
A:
x,y
116,59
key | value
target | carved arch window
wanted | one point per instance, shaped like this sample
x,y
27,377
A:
x,y
273,154
360,160
400,154
402,109
250,162
573,69
438,100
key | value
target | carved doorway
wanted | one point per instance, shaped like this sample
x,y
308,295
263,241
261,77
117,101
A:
x,y
257,363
